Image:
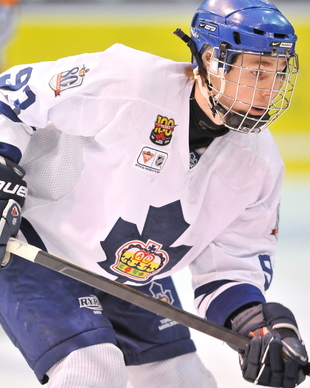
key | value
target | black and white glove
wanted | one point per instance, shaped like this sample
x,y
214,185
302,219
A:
x,y
13,191
276,354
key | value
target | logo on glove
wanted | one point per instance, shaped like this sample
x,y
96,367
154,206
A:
x,y
6,187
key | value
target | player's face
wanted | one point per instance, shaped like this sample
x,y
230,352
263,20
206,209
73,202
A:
x,y
253,83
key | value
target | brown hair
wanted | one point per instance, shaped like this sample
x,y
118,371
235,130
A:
x,y
188,71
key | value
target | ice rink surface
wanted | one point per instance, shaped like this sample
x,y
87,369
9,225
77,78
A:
x,y
291,287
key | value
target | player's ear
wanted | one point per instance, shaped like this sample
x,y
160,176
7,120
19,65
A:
x,y
206,57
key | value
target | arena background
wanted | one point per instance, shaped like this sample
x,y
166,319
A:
x,y
47,30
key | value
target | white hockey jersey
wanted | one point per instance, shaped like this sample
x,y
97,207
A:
x,y
104,142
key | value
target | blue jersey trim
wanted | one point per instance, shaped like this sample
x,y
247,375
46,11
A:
x,y
11,152
209,288
232,299
8,112
31,235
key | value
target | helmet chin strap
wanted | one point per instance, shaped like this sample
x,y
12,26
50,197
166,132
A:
x,y
242,122
190,43
205,91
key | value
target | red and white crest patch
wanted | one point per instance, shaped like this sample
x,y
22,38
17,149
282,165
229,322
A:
x,y
68,79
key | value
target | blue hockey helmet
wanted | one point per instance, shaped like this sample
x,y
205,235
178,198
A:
x,y
226,32
247,25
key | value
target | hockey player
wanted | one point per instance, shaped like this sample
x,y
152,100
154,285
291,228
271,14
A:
x,y
137,166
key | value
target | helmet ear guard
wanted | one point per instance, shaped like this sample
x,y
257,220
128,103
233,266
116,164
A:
x,y
213,66
228,29
217,65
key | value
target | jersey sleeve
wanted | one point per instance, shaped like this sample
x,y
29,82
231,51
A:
x,y
237,267
71,92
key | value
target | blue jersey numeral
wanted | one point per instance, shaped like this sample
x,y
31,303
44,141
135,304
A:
x,y
21,79
265,262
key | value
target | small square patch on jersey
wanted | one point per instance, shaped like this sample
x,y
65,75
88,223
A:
x,y
151,159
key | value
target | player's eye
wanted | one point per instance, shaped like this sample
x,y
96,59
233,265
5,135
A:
x,y
258,73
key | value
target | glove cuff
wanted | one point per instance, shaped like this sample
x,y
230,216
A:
x,y
274,316
249,320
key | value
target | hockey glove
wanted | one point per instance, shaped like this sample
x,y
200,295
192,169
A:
x,y
276,353
13,191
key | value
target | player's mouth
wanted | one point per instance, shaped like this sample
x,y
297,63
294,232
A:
x,y
255,111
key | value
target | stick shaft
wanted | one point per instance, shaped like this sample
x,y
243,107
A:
x,y
124,292
129,294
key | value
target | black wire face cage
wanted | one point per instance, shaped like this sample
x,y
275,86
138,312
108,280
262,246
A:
x,y
249,91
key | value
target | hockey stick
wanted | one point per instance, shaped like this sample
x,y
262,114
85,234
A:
x,y
124,292
128,294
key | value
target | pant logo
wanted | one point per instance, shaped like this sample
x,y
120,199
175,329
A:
x,y
92,303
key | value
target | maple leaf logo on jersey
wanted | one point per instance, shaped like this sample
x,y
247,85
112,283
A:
x,y
135,256
158,292
68,79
